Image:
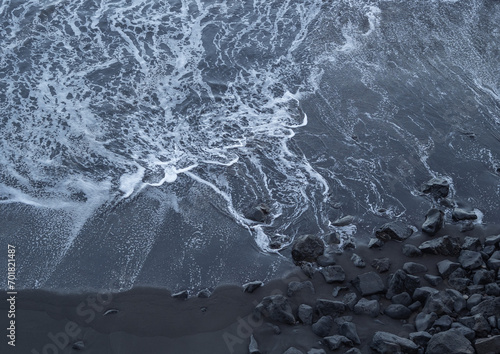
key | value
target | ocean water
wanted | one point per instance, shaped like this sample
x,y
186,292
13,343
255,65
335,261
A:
x,y
137,135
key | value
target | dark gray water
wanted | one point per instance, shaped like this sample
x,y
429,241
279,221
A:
x,y
135,135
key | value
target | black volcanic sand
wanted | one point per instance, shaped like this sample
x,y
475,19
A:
x,y
151,321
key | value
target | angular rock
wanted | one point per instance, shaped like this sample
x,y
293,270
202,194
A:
x,y
328,307
326,260
353,351
492,289
483,276
411,251
375,243
420,338
434,280
299,286
445,245
368,283
446,267
337,289
470,259
204,294
305,314
415,306
397,312
434,220
277,308
424,321
307,248
293,350
384,343
259,213
471,243
333,274
463,330
494,261
438,187
367,307
316,351
323,326
421,294
252,286
350,300
348,330
400,282
459,284
492,241
462,214
358,261
414,268
393,231
308,269
449,342
458,300
381,265
474,300
441,303
183,295
443,322
78,345
489,345
477,323
253,347
336,341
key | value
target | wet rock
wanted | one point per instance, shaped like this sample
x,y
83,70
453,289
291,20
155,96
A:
x,y
492,241
462,214
458,300
307,248
483,276
434,280
434,220
259,213
449,342
183,295
474,300
415,306
353,351
350,300
471,244
358,261
308,269
467,226
333,274
110,312
343,221
411,251
323,326
252,286
381,265
337,289
368,283
488,345
400,282
367,307
277,308
293,350
424,321
459,284
397,312
305,314
438,187
336,341
446,267
441,303
477,323
253,347
470,259
326,260
420,338
402,299
204,294
375,243
393,231
414,268
316,351
79,345
348,330
443,322
328,307
445,245
488,250
384,343
297,286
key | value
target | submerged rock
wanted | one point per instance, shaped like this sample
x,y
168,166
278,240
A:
x,y
307,248
259,213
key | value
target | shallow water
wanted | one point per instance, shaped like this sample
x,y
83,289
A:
x,y
137,134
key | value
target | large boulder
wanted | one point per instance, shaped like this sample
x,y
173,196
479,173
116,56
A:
x,y
450,341
384,343
393,231
307,248
438,187
434,220
276,308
